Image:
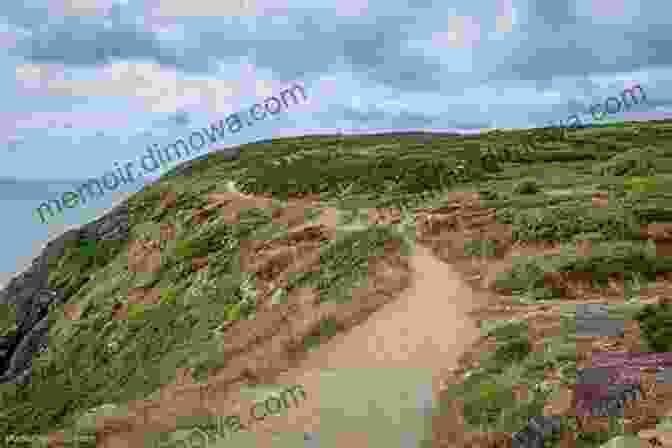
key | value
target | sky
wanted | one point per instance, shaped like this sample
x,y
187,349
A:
x,y
86,83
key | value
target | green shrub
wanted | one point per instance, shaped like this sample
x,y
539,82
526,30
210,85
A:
x,y
524,275
487,402
628,257
564,155
480,248
527,186
640,184
509,330
655,322
635,162
564,222
514,350
380,173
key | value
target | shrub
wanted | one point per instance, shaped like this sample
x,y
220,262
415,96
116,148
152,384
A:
x,y
564,222
527,186
640,184
635,162
656,324
525,274
480,248
509,331
487,403
512,351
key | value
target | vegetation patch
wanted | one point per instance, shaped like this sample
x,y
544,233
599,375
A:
x,y
656,324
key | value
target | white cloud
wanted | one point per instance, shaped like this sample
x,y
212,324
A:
x,y
156,88
80,7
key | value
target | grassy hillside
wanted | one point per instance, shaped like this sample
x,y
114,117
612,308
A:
x,y
543,192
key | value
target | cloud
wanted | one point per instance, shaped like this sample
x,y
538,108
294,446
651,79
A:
x,y
157,89
87,43
80,7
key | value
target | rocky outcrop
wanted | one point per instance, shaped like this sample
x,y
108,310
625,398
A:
x,y
532,436
32,297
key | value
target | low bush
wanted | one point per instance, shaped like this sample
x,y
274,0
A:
x,y
487,402
514,350
564,222
635,162
480,248
527,186
655,322
635,260
524,275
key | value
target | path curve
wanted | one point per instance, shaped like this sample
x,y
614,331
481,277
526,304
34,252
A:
x,y
425,329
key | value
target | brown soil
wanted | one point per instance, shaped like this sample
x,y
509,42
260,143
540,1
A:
x,y
145,296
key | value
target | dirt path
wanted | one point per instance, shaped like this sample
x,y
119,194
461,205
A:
x,y
412,339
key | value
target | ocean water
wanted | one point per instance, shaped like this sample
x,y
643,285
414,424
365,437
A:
x,y
23,233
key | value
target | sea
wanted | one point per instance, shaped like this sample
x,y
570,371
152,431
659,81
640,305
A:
x,y
23,233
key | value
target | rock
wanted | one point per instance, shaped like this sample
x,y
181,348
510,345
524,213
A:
x,y
30,293
591,310
664,376
29,345
598,326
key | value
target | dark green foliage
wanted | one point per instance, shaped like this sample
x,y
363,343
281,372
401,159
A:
x,y
635,162
563,155
480,248
486,403
655,322
382,173
629,258
612,257
527,186
510,331
79,261
523,276
512,351
564,222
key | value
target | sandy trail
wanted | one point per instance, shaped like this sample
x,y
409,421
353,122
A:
x,y
411,340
